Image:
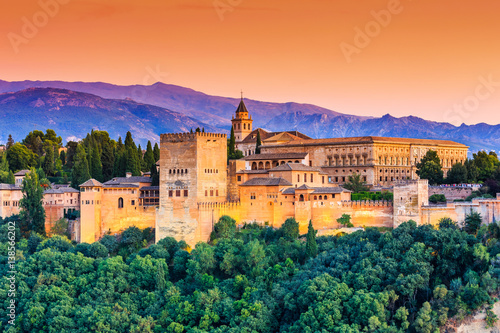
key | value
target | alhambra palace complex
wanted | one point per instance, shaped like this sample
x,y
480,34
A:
x,y
292,176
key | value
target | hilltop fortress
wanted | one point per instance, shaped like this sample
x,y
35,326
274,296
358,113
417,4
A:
x,y
292,176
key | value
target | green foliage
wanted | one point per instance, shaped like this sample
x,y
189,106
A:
x,y
60,227
258,144
430,168
311,245
446,222
345,220
355,183
224,228
386,196
20,157
437,198
80,172
457,174
473,222
32,214
405,279
290,229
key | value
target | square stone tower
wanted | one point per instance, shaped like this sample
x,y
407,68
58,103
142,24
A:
x,y
409,197
192,171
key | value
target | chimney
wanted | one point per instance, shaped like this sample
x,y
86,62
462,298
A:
x,y
128,174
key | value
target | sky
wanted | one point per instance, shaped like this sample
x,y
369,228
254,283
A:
x,y
434,59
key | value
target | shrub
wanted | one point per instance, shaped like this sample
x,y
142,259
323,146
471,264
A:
x,y
437,198
290,228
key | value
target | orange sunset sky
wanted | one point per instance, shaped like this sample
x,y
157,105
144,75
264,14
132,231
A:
x,y
435,59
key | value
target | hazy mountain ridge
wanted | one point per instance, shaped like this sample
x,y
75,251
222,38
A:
x,y
73,114
217,111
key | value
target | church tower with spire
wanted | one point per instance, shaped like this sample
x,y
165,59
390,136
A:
x,y
242,123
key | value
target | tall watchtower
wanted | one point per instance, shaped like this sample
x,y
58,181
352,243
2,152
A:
x,y
242,123
192,171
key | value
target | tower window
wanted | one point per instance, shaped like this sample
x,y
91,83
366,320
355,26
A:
x,y
120,202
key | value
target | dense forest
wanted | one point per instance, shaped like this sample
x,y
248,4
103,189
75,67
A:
x,y
255,279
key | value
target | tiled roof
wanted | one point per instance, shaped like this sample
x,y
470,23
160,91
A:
x,y
120,185
264,135
267,182
91,183
251,171
61,190
128,180
21,173
9,187
241,107
277,156
295,167
150,188
316,190
369,139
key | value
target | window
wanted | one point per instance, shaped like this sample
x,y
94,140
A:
x,y
305,177
298,178
239,178
177,193
120,202
301,197
322,179
170,193
216,193
211,193
311,177
315,198
206,193
132,202
185,193
252,196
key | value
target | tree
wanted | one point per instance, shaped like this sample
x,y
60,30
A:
x,y
155,176
80,172
473,222
290,229
149,157
32,212
472,171
355,183
48,161
96,166
156,152
457,174
132,162
435,198
430,168
345,220
311,245
160,276
10,142
446,222
224,228
62,157
258,144
232,143
60,227
20,157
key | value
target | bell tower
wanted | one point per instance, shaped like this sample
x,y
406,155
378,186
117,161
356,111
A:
x,y
241,122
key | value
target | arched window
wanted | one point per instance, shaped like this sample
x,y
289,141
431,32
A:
x,y
301,197
305,177
315,198
312,178
244,126
120,202
268,165
298,178
254,166
261,166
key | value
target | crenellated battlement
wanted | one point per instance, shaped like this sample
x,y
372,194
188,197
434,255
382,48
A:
x,y
223,205
367,203
179,137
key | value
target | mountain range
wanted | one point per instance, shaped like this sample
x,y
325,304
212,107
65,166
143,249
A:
x,y
72,109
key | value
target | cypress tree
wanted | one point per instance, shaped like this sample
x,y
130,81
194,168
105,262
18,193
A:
x,y
48,162
156,152
129,142
155,176
107,160
311,245
161,281
96,167
259,143
149,158
62,157
132,162
32,212
80,172
10,142
232,144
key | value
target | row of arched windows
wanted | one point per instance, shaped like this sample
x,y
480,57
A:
x,y
178,171
211,170
237,126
